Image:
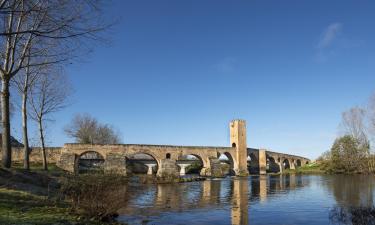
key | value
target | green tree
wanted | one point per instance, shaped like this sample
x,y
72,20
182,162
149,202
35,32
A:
x,y
349,155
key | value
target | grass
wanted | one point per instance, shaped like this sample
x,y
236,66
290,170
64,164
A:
x,y
313,168
38,167
19,207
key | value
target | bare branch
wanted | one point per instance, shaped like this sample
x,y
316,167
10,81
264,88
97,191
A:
x,y
353,124
86,129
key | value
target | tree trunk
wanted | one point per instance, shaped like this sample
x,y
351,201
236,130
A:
x,y
45,167
26,162
6,147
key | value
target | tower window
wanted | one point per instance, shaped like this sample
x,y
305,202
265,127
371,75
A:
x,y
168,155
233,145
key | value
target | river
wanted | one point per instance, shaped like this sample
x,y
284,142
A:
x,y
281,199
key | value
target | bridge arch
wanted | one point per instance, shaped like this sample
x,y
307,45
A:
x,y
298,163
286,164
196,165
142,163
252,163
226,157
90,161
272,165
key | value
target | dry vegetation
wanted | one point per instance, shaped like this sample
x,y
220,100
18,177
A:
x,y
95,196
54,197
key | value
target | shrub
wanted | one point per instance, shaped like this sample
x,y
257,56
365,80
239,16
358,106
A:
x,y
165,178
194,168
348,155
95,196
371,164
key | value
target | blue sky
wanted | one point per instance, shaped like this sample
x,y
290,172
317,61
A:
x,y
176,72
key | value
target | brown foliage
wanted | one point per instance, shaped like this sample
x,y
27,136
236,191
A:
x,y
97,196
86,129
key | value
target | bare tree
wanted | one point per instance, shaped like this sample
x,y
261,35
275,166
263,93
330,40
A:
x,y
106,134
28,28
353,123
23,81
48,95
11,113
371,115
87,130
82,128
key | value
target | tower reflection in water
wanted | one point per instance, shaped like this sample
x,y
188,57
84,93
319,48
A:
x,y
239,213
231,195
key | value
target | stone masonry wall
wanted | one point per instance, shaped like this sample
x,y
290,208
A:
x,y
53,154
168,168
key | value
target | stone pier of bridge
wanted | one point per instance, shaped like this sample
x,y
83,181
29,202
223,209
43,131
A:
x,y
150,167
183,168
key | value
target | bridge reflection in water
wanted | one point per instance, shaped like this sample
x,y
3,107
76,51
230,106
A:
x,y
232,195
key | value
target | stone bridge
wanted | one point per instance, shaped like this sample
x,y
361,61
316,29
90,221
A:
x,y
242,159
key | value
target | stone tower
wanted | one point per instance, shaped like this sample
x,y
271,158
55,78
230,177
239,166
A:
x,y
238,141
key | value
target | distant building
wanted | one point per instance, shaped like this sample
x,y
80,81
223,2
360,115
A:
x,y
14,142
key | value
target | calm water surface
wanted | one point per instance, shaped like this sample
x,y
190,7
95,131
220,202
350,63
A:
x,y
288,199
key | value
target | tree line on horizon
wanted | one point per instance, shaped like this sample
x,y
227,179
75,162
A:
x,y
352,150
38,38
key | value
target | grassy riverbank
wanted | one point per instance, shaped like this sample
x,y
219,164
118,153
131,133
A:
x,y
33,197
20,207
313,168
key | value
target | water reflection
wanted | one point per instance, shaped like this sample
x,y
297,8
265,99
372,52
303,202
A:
x,y
285,199
239,214
355,191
